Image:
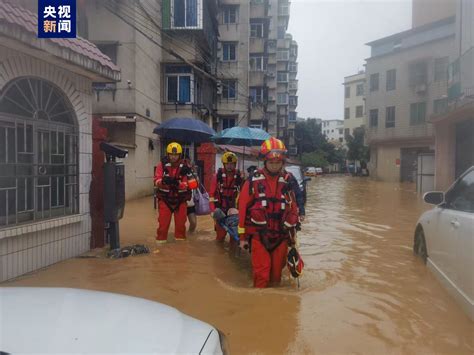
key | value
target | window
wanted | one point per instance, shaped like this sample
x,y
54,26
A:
x,y
256,94
256,30
283,55
282,77
229,52
228,123
292,117
281,32
417,113
374,118
461,196
360,89
418,73
282,99
178,83
294,51
258,63
347,92
294,100
347,113
39,153
390,117
229,14
441,69
256,124
332,131
374,82
440,106
391,82
229,89
293,67
341,130
284,9
109,49
359,111
185,13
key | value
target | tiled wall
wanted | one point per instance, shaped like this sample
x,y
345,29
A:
x,y
30,247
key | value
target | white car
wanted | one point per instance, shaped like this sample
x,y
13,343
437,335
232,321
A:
x,y
62,320
444,239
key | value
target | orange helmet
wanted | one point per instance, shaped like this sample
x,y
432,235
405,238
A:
x,y
273,148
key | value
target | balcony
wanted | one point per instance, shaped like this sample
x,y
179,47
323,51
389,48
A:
x,y
292,117
461,77
293,85
257,45
379,134
294,101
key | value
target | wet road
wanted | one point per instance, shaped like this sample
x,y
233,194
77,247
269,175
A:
x,y
362,291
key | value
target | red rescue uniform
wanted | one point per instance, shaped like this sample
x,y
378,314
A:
x,y
267,213
225,188
173,192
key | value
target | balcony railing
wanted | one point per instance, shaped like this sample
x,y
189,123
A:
x,y
399,133
461,76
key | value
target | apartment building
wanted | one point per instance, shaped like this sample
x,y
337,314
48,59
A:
x,y
130,109
334,131
254,68
406,83
354,102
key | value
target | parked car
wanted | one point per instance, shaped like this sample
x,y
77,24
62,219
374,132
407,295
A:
x,y
444,239
298,174
64,321
311,171
319,171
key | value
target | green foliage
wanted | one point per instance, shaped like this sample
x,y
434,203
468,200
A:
x,y
316,159
357,149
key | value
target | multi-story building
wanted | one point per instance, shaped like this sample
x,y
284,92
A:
x,y
129,109
334,131
254,68
454,121
354,102
189,63
406,83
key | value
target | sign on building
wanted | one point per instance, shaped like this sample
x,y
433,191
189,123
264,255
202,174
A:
x,y
56,18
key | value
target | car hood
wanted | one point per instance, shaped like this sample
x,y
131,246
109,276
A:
x,y
63,320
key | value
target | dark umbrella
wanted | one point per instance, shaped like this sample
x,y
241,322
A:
x,y
185,130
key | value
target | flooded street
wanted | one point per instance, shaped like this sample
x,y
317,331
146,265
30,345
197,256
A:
x,y
362,290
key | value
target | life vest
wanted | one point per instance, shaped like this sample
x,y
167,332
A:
x,y
227,189
170,193
270,217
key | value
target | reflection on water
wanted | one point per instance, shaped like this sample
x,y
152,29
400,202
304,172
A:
x,y
362,290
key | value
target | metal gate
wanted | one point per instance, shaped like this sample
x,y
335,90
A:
x,y
425,172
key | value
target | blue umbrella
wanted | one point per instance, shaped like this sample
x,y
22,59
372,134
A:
x,y
185,130
241,136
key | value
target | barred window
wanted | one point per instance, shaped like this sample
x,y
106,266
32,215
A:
x,y
38,153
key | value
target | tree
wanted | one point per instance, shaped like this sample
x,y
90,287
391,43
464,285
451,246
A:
x,y
356,148
316,159
309,137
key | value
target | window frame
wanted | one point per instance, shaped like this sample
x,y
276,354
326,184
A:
x,y
255,59
361,113
374,82
347,113
391,80
417,120
390,112
198,22
358,91
226,86
255,31
347,92
230,45
440,69
227,14
374,118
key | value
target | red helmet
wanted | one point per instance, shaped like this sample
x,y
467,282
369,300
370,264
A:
x,y
273,148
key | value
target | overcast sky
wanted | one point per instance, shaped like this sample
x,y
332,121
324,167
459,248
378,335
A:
x,y
331,35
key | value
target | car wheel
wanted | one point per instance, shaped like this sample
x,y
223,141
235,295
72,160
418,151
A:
x,y
419,246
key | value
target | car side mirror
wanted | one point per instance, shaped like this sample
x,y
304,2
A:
x,y
434,198
306,178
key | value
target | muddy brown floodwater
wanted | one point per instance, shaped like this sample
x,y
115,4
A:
x,y
362,291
